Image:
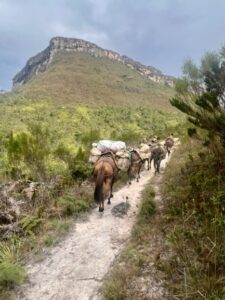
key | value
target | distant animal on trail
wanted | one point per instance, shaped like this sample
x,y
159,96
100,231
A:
x,y
135,165
105,172
157,155
169,144
130,162
144,152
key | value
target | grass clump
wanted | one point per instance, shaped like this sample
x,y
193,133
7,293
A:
x,y
70,206
11,272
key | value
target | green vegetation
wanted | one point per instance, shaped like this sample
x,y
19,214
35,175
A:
x,y
194,187
194,224
11,272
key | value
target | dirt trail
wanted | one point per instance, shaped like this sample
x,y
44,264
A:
x,y
74,269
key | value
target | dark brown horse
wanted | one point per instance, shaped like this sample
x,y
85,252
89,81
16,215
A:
x,y
135,165
157,155
169,144
105,172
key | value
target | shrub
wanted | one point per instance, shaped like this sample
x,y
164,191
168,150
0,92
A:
x,y
70,206
30,224
10,270
31,148
11,273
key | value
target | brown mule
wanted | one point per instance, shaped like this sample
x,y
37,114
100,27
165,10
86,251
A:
x,y
105,172
135,165
169,144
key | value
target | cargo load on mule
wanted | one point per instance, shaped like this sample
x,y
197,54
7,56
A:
x,y
144,151
113,146
104,146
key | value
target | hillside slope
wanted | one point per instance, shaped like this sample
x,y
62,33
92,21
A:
x,y
74,77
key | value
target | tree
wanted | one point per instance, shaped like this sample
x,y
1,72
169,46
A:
x,y
200,94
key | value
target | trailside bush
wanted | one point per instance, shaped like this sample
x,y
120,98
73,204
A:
x,y
70,206
30,148
11,273
10,270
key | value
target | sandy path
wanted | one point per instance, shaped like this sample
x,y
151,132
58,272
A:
x,y
74,269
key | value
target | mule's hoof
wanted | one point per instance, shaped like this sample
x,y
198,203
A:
x,y
101,209
129,182
109,202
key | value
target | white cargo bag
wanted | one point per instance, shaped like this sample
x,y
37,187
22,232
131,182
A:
x,y
114,146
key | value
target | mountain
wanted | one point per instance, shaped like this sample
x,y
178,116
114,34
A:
x,y
40,62
72,71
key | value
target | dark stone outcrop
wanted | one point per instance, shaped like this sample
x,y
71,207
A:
x,y
40,62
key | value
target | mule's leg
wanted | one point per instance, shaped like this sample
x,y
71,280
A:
x,y
148,161
158,165
139,171
111,194
101,206
111,188
129,175
155,165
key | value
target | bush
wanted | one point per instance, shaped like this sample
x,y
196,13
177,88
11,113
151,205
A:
x,y
70,206
30,148
11,273
30,224
148,205
10,270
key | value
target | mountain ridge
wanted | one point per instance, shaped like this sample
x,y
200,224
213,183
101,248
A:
x,y
40,62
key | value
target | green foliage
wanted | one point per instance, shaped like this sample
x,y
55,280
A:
x,y
9,251
30,148
30,224
11,273
192,131
10,270
194,196
70,206
200,95
91,136
81,169
148,205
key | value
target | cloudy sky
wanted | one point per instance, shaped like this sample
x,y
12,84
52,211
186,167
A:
x,y
161,33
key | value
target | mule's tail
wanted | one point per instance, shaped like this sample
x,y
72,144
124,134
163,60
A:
x,y
98,194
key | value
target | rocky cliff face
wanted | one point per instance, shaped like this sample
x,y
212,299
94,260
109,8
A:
x,y
41,61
